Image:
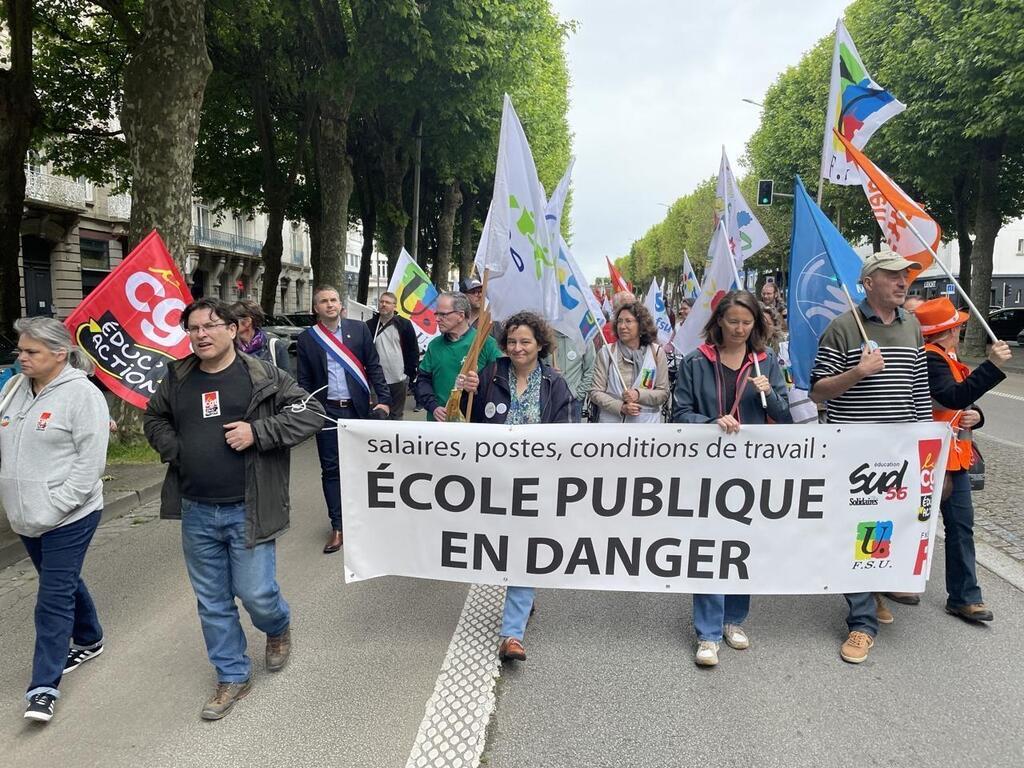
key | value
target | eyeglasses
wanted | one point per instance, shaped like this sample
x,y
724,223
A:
x,y
193,330
445,314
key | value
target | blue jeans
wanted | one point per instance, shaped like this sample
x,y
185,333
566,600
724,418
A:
x,y
65,613
576,410
518,602
958,520
862,616
221,568
712,612
327,448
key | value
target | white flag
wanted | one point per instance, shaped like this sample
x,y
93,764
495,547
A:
x,y
515,247
746,235
655,303
719,279
857,107
688,284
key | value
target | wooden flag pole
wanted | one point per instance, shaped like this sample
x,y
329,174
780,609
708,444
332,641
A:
x,y
453,408
937,260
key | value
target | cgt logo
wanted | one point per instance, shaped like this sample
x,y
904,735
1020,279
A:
x,y
873,545
928,452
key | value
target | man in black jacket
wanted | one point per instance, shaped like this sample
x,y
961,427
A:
x,y
224,423
399,352
338,364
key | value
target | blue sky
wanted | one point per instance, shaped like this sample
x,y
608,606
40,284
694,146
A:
x,y
656,91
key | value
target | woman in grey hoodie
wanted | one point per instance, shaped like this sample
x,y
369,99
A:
x,y
53,449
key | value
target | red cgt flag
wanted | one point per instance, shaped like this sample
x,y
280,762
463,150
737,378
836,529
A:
x,y
130,325
619,283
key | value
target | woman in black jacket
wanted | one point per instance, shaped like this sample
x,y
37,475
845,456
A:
x,y
519,389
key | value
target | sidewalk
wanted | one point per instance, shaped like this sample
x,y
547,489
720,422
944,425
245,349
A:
x,y
125,487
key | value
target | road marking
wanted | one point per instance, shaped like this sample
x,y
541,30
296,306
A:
x,y
454,727
1001,440
1008,396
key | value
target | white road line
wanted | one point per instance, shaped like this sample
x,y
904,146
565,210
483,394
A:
x,y
1007,396
454,727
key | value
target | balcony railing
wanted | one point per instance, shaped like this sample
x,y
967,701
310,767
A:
x,y
119,207
223,241
54,190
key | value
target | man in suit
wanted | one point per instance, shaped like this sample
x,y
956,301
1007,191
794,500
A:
x,y
338,363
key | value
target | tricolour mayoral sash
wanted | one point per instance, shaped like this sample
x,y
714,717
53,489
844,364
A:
x,y
341,354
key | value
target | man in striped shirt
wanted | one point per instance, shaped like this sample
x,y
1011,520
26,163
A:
x,y
883,381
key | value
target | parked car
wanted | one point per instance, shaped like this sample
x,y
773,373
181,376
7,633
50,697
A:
x,y
302,319
281,326
1020,339
1007,323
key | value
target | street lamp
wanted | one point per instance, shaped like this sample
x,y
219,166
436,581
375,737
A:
x,y
755,103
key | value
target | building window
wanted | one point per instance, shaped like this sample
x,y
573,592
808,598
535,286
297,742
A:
x,y
1020,247
239,226
95,253
203,217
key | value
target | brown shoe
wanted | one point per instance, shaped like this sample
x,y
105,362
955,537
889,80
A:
x,y
907,598
974,612
279,648
224,699
856,647
512,648
334,542
882,611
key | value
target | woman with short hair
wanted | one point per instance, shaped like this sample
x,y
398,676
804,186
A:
x,y
718,384
53,450
631,376
253,340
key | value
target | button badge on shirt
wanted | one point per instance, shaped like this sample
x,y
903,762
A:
x,y
211,404
44,419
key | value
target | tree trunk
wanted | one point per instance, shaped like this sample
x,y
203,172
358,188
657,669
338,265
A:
x,y
394,163
963,230
312,208
446,233
466,250
19,113
876,239
336,182
164,82
271,252
988,220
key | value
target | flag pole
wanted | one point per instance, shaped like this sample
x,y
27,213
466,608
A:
x,y
757,366
937,260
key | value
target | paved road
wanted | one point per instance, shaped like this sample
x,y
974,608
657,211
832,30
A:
x,y
610,681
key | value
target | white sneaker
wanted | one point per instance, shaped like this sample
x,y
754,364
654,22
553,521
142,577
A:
x,y
707,653
735,637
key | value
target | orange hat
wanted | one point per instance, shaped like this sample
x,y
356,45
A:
x,y
939,315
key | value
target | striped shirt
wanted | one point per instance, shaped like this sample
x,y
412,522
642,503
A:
x,y
898,393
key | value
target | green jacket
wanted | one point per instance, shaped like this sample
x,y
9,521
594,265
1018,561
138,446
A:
x,y
276,428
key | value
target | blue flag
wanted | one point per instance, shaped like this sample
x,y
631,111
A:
x,y
821,262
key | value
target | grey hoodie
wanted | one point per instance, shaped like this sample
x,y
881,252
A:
x,y
53,449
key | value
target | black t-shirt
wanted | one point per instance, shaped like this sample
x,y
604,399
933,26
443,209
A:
x,y
211,471
729,376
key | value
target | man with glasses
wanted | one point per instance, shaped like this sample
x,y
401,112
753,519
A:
x,y
338,363
447,352
398,350
223,422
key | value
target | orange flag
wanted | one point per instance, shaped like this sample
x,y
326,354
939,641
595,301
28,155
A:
x,y
619,283
886,198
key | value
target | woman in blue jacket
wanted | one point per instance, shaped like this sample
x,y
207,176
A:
x,y
519,389
717,383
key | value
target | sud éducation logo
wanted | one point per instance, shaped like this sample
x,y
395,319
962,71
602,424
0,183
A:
x,y
871,484
873,546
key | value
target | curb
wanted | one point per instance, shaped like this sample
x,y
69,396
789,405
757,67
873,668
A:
x,y
12,551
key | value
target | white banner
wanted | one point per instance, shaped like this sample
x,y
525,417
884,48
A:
x,y
661,507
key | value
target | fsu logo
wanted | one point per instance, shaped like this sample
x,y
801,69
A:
x,y
873,545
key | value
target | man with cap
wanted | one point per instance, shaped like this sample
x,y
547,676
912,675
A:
x,y
882,381
474,291
954,389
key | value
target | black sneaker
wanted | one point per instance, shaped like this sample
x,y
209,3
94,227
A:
x,y
78,656
40,707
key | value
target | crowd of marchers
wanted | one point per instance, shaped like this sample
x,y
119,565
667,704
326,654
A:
x,y
232,405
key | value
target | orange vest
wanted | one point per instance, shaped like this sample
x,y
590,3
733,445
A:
x,y
960,451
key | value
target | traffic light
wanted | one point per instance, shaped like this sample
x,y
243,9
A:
x,y
764,191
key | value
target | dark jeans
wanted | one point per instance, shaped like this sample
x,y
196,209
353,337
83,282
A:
x,y
862,616
576,410
398,392
958,520
65,613
327,447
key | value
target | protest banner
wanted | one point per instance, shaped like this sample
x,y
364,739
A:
x,y
130,324
654,300
776,509
416,297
